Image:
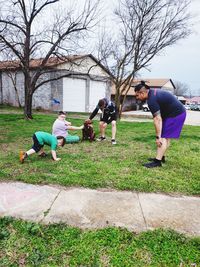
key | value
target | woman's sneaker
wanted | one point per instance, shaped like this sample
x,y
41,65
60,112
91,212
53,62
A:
x,y
101,138
113,142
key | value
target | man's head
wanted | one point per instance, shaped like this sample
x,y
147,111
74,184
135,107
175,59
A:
x,y
61,140
101,104
62,115
141,91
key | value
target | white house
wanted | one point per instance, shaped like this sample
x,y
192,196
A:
x,y
84,81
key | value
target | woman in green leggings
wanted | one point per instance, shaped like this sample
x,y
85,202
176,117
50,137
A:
x,y
61,127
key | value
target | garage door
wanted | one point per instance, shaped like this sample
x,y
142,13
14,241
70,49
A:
x,y
97,91
74,94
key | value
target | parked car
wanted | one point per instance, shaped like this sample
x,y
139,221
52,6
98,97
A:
x,y
187,107
145,107
195,107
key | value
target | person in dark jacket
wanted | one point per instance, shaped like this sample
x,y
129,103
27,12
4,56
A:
x,y
108,115
168,115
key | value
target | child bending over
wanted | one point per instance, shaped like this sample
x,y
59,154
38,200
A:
x,y
39,140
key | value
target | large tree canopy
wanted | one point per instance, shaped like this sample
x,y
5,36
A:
x,y
32,29
144,29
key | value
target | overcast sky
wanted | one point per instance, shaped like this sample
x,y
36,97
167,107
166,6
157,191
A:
x,y
182,61
179,62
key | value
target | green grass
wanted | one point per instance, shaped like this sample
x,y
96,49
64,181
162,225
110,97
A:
x,y
29,244
97,165
100,165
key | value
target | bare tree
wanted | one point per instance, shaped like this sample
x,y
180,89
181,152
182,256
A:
x,y
13,77
26,32
181,88
144,29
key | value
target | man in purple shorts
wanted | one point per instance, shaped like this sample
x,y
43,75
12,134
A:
x,y
168,114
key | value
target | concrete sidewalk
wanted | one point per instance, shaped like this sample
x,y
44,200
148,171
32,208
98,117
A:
x,y
87,208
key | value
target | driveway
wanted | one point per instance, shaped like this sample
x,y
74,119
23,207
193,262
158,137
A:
x,y
193,117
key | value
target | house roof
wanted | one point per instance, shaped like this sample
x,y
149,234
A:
x,y
35,63
181,98
195,99
51,63
153,83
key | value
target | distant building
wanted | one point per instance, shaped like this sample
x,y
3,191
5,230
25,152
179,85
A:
x,y
130,102
193,100
182,99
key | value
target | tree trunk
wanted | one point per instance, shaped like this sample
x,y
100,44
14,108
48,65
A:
x,y
28,107
17,96
28,98
117,102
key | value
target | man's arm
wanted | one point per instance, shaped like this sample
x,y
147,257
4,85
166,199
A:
x,y
94,113
158,128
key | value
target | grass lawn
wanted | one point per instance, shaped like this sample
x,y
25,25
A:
x,y
29,244
97,165
101,165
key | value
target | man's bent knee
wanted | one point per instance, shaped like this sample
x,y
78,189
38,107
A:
x,y
113,123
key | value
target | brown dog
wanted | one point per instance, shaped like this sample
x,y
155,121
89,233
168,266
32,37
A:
x,y
88,131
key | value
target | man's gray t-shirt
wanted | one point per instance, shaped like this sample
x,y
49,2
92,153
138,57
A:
x,y
59,128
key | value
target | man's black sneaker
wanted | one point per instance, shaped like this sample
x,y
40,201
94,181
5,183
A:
x,y
101,138
153,164
154,159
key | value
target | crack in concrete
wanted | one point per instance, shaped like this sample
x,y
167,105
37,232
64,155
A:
x,y
48,210
145,222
